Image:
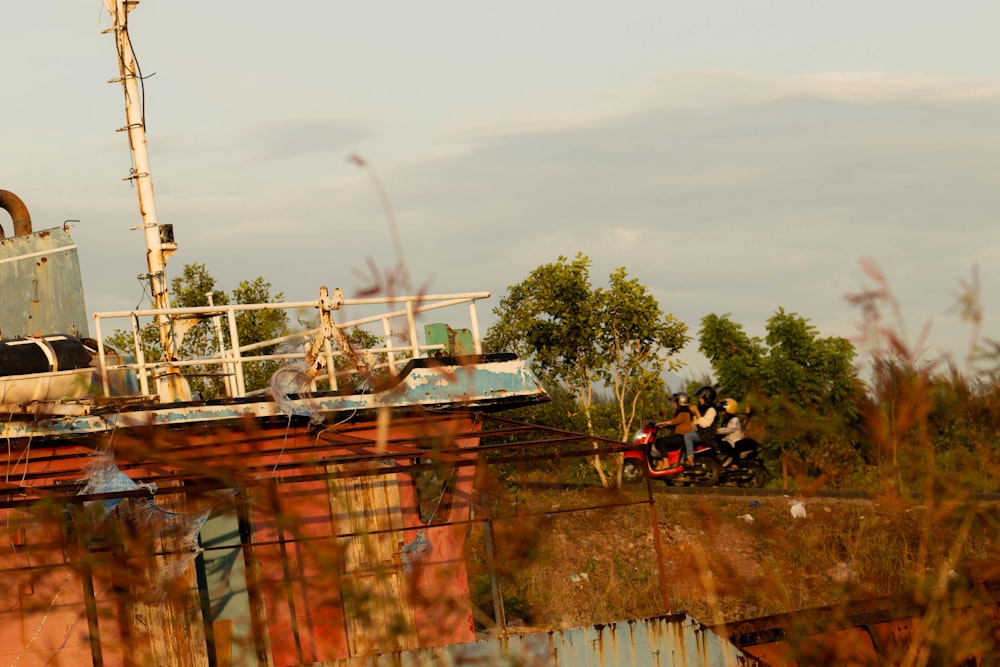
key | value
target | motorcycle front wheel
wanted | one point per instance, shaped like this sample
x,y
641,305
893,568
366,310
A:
x,y
631,471
710,476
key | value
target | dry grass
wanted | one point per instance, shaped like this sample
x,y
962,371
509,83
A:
x,y
562,569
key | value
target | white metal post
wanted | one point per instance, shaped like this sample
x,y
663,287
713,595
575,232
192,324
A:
x,y
140,356
227,369
475,327
412,328
390,355
234,341
102,362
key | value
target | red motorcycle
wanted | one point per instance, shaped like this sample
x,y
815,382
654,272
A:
x,y
706,471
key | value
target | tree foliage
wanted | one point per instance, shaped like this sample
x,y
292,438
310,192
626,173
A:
x,y
807,385
200,338
259,325
638,340
736,357
551,319
580,337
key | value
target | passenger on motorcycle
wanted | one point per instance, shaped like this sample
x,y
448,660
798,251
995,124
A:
x,y
681,422
704,422
731,430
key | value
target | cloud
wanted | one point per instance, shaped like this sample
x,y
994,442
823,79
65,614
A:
x,y
728,192
725,192
894,88
708,90
296,137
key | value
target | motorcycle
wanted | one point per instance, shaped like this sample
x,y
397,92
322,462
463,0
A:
x,y
706,470
745,469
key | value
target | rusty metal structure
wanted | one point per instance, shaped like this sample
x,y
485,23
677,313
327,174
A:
x,y
876,631
149,522
230,546
325,548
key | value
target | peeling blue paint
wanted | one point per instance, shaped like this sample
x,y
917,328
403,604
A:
x,y
415,550
472,386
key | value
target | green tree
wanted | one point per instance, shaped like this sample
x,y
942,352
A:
x,y
191,289
550,319
816,371
259,325
639,341
807,384
736,357
580,337
198,336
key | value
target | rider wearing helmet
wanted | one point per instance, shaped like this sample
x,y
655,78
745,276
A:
x,y
704,421
681,421
731,430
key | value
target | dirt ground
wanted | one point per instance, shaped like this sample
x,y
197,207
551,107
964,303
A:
x,y
591,556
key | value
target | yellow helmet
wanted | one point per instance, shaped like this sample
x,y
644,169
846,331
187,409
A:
x,y
729,405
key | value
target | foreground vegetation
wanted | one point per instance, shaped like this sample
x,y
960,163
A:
x,y
726,558
837,414
917,434
584,556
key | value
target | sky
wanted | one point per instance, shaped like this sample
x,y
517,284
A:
x,y
735,157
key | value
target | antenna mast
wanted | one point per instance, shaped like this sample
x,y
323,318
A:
x,y
159,238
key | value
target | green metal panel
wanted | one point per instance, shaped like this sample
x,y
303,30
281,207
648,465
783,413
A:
x,y
463,343
42,286
456,342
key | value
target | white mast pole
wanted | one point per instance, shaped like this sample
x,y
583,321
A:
x,y
171,385
159,239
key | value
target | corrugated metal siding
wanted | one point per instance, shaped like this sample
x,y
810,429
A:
x,y
664,641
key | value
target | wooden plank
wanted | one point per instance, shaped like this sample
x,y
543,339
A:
x,y
378,616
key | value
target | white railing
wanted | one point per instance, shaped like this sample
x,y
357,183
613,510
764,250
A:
x,y
232,354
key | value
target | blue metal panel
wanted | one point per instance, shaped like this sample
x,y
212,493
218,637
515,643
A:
x,y
42,286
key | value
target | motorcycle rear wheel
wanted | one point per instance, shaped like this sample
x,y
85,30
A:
x,y
711,475
758,475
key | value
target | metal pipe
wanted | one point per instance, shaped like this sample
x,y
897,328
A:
x,y
102,360
476,340
11,203
411,325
